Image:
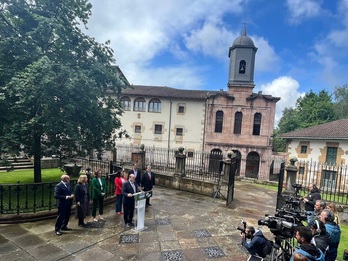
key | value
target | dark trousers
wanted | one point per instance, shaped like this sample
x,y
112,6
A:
x,y
119,202
147,201
128,212
81,221
62,218
98,203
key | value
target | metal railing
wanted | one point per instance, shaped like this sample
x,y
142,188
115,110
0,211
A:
x,y
331,179
32,198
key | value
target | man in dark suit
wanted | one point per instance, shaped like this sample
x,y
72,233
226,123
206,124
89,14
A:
x,y
136,172
148,182
128,190
64,196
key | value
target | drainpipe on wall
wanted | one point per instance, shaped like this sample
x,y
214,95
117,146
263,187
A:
x,y
169,128
205,119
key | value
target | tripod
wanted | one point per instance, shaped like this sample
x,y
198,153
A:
x,y
217,193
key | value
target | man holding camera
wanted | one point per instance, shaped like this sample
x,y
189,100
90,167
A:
x,y
257,244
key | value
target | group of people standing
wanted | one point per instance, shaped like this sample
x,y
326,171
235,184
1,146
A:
x,y
64,195
125,188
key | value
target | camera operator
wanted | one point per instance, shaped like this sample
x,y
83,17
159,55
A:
x,y
320,237
327,217
304,237
257,241
309,201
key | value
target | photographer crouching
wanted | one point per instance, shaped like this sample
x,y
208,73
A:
x,y
257,243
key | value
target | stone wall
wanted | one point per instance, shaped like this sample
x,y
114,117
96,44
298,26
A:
x,y
182,183
49,163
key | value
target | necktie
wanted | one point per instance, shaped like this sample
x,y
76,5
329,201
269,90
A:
x,y
133,186
149,176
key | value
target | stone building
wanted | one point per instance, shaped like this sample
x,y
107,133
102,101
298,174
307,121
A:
x,y
240,120
324,145
214,121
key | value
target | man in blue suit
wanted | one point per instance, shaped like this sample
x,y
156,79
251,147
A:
x,y
64,196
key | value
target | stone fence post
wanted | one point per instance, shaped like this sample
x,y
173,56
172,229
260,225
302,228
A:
x,y
291,171
139,157
180,162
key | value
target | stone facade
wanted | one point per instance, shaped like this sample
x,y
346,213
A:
x,y
215,121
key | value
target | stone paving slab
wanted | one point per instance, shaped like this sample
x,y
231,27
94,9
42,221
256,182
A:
x,y
180,226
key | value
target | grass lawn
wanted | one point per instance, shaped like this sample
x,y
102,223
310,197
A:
x,y
27,176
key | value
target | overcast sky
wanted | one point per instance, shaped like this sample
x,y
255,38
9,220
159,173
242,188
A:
x,y
302,44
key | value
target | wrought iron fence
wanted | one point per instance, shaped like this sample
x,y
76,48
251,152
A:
x,y
332,179
198,165
32,198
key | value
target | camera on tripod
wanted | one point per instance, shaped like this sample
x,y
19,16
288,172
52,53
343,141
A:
x,y
293,216
279,226
243,227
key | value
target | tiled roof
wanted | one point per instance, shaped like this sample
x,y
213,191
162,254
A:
x,y
168,92
265,96
331,130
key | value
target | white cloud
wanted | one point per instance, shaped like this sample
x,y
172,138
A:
x,y
211,40
302,9
286,88
266,57
140,31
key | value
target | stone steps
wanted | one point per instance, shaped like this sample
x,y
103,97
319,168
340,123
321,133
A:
x,y
18,163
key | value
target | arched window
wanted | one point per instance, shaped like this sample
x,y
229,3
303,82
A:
x,y
238,117
218,121
242,66
155,105
126,103
257,124
139,104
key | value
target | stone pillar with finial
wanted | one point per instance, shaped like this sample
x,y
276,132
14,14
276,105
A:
x,y
180,161
139,157
291,171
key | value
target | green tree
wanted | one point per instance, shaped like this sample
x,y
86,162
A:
x,y
310,110
314,109
341,102
55,81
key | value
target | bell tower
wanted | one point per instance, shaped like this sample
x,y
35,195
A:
x,y
242,64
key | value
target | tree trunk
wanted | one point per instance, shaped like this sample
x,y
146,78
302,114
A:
x,y
37,158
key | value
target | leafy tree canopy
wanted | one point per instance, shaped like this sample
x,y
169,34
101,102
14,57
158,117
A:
x,y
341,102
310,110
55,81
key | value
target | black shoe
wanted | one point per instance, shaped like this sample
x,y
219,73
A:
x,y
149,205
66,229
82,225
132,224
58,233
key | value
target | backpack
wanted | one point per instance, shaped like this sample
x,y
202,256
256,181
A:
x,y
267,249
310,257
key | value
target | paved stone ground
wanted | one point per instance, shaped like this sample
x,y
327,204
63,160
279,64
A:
x,y
180,226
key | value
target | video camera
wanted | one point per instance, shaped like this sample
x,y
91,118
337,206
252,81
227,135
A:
x,y
279,226
293,216
243,227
